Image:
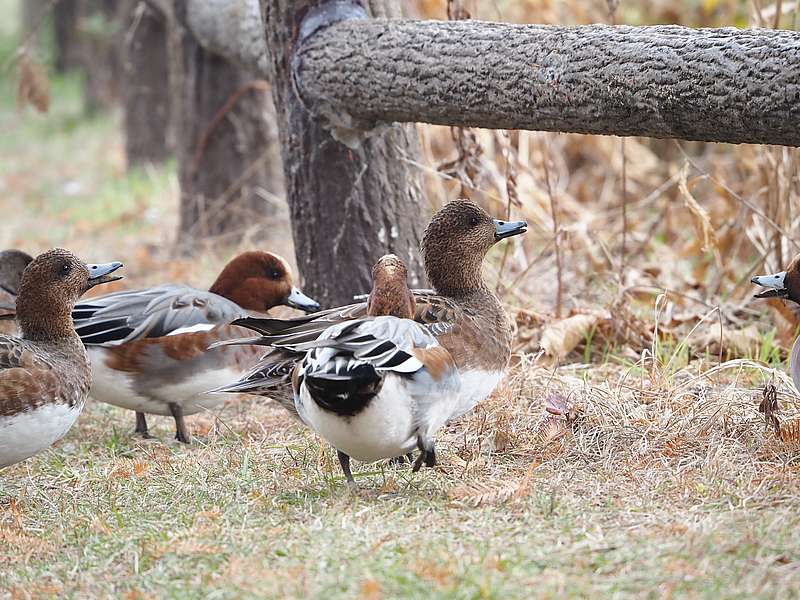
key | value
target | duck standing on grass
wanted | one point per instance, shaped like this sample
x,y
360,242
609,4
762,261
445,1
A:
x,y
785,284
376,386
12,264
45,375
148,347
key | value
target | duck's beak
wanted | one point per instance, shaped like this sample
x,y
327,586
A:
x,y
102,273
505,229
776,284
298,299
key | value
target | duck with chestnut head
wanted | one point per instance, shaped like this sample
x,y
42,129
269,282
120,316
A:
x,y
148,347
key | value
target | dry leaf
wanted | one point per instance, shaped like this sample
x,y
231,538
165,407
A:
x,y
701,221
560,337
769,406
736,343
33,87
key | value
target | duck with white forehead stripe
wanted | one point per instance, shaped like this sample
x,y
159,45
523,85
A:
x,y
464,317
148,347
785,285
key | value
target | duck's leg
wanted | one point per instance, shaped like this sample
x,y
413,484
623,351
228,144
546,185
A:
x,y
181,431
344,460
399,461
427,454
141,425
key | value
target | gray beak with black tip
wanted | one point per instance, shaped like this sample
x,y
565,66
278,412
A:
x,y
506,229
298,299
101,273
776,284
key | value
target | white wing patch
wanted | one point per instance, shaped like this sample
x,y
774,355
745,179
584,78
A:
x,y
192,329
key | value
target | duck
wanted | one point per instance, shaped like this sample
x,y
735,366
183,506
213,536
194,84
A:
x,y
786,285
44,373
380,386
411,370
149,347
12,264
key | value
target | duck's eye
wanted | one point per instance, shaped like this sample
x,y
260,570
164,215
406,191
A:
x,y
275,275
66,268
473,221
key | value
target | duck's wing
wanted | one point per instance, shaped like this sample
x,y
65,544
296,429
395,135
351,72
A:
x,y
122,317
26,380
286,337
439,314
345,366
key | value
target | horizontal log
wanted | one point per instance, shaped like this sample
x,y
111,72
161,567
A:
x,y
717,85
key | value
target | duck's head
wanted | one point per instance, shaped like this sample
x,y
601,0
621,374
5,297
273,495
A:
x,y
12,264
390,294
455,242
50,286
258,281
783,284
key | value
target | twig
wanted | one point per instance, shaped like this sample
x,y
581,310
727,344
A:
x,y
556,236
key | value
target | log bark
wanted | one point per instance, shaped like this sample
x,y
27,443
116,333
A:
x,y
145,83
348,206
229,169
717,85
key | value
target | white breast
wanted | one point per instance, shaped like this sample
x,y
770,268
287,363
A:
x,y
383,429
28,433
475,387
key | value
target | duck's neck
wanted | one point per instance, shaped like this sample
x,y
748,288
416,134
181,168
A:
x,y
456,276
40,321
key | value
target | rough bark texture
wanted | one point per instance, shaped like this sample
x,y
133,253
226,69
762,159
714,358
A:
x,y
348,206
229,168
720,85
145,83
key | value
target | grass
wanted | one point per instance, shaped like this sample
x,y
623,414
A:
x,y
663,482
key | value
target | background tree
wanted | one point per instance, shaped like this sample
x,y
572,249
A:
x,y
353,195
230,180
145,82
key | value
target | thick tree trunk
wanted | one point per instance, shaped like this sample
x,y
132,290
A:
x,y
718,85
145,83
348,205
98,53
65,33
229,168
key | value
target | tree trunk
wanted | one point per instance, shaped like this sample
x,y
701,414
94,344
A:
x,y
98,27
230,177
65,33
349,205
718,85
145,83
